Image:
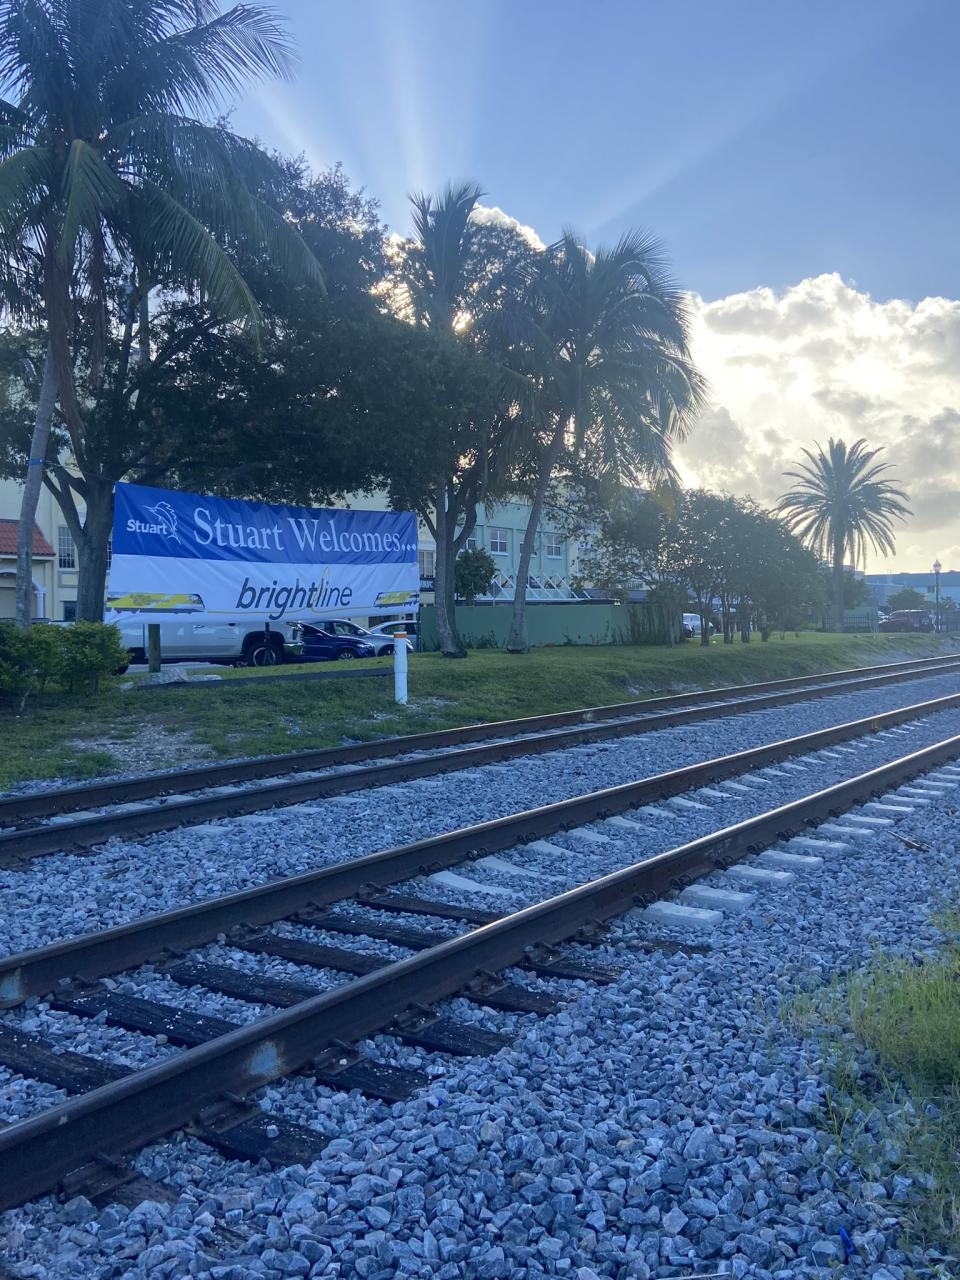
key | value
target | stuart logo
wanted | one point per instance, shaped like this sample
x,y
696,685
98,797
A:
x,y
166,524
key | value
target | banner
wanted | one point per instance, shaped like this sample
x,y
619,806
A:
x,y
184,553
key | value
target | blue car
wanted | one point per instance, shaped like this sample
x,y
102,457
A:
x,y
324,646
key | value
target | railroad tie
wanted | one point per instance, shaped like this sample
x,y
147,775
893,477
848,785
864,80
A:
x,y
242,1132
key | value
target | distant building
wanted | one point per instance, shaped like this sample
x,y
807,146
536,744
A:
x,y
881,586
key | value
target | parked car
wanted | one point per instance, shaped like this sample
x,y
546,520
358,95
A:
x,y
229,642
381,640
691,625
398,624
907,620
323,644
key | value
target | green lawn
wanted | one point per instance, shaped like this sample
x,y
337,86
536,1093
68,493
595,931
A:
x,y
157,728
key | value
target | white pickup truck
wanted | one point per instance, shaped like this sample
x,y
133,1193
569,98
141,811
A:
x,y
185,637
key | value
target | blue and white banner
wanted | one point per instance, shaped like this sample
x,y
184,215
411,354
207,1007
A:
x,y
185,553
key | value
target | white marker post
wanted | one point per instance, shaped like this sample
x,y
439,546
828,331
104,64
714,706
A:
x,y
400,667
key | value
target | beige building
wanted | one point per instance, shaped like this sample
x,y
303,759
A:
x,y
54,557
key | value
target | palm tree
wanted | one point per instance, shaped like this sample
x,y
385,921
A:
x,y
841,505
436,279
605,374
109,170
456,274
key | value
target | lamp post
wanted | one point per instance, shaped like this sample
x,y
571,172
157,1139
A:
x,y
937,566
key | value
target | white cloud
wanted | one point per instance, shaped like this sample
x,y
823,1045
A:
x,y
823,358
493,216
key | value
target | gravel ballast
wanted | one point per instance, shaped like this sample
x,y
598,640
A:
x,y
671,1124
63,895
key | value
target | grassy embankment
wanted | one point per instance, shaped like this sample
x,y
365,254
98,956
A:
x,y
892,1033
156,728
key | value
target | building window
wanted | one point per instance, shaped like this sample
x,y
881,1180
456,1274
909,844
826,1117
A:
x,y
498,542
109,552
552,546
66,550
69,610
426,559
471,543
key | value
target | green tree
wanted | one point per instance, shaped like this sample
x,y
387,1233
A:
x,y
777,578
456,275
113,185
602,374
474,572
841,504
621,534
907,598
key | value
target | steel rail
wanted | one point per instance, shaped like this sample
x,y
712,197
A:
x,y
60,800
20,845
37,1153
96,955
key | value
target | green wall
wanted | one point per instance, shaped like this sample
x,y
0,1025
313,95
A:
x,y
487,625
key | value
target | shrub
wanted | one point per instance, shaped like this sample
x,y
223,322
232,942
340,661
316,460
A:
x,y
19,673
473,572
76,657
90,651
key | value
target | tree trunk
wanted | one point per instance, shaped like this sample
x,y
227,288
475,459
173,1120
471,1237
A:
x,y
704,625
726,621
444,597
46,401
838,588
517,640
92,551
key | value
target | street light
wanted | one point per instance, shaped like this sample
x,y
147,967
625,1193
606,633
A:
x,y
937,566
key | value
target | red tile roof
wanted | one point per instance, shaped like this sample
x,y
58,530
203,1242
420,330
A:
x,y
8,540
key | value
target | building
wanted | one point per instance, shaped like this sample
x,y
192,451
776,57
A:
x,y
42,561
881,586
553,565
54,557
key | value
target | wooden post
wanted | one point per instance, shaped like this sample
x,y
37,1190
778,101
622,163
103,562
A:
x,y
153,646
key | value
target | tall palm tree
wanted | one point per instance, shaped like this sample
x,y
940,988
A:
x,y
457,273
605,374
841,505
109,167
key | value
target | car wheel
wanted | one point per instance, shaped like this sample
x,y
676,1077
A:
x,y
346,655
385,652
261,653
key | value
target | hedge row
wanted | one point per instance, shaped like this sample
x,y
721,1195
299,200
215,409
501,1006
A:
x,y
76,658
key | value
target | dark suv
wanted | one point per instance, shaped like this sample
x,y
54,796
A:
x,y
907,620
320,645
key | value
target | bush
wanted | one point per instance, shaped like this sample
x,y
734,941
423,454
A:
x,y
90,651
473,572
19,672
75,657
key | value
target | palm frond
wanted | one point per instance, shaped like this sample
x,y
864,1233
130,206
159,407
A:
x,y
192,255
25,178
206,62
91,191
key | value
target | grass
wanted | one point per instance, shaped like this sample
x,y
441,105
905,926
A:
x,y
892,1033
129,729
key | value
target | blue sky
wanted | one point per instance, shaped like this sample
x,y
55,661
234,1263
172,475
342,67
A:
x,y
765,142
799,159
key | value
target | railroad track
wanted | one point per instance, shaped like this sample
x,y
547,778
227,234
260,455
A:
x,y
79,1145
38,824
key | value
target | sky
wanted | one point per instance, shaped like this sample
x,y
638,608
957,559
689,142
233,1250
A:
x,y
798,160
